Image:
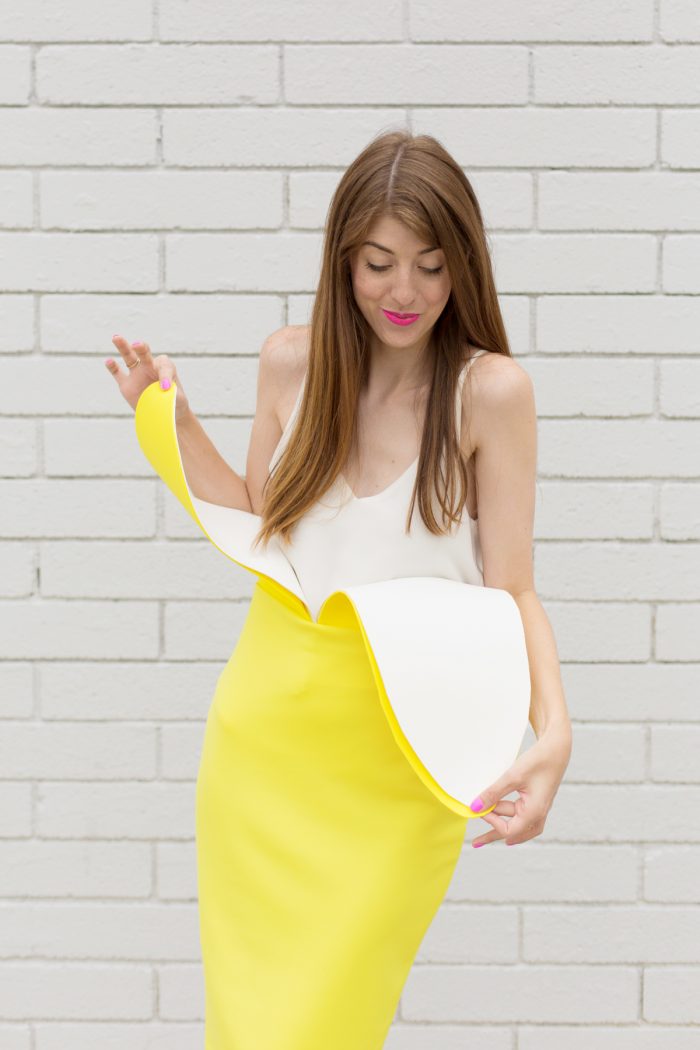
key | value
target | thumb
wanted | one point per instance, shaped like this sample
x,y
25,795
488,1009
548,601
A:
x,y
489,798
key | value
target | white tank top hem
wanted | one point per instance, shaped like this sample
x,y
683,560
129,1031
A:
x,y
344,539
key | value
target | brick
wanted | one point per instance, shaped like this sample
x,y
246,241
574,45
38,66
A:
x,y
176,865
672,994
15,74
616,75
180,992
148,200
16,690
672,874
514,994
78,629
674,754
125,689
396,75
77,751
40,20
157,74
617,324
639,934
540,21
66,136
81,930
514,136
60,508
114,1036
679,20
130,811
62,262
16,200
33,868
72,991
309,20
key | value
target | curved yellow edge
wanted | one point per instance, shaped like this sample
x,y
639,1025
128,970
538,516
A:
x,y
156,431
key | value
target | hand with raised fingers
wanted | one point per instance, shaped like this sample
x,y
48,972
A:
x,y
142,370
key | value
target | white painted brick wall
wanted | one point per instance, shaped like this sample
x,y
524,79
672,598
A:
x,y
165,170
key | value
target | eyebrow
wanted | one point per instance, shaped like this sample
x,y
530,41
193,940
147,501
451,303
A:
x,y
381,247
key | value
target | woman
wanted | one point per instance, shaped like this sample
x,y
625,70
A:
x,y
322,856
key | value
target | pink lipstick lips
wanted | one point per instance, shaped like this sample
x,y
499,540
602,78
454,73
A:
x,y
400,319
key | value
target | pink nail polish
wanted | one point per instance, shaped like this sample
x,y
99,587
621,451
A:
x,y
165,384
137,344
477,804
477,844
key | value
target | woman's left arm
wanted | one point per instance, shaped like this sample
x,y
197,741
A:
x,y
504,431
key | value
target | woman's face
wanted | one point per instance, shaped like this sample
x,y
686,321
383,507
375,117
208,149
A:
x,y
397,273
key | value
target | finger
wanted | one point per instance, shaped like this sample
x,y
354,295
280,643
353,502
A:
x,y
502,827
490,836
165,369
112,366
123,345
143,350
493,794
505,807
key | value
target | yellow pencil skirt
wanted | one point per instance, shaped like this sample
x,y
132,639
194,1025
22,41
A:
x,y
322,856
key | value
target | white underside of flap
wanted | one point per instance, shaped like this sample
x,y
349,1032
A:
x,y
454,664
233,532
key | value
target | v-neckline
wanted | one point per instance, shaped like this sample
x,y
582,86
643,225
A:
x,y
387,488
341,477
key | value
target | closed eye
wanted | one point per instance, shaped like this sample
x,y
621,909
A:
x,y
433,272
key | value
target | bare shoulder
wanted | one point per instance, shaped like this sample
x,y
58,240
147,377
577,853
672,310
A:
x,y
283,358
282,363
280,371
298,348
500,390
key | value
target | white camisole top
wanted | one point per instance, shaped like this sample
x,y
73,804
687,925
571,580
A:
x,y
345,539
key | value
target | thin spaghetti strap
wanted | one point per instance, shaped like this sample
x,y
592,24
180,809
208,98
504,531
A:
x,y
460,384
297,403
288,426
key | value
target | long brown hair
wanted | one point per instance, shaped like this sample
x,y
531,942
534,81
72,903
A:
x,y
414,179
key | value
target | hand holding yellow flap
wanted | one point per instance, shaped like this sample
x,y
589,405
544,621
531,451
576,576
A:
x,y
157,435
230,530
449,658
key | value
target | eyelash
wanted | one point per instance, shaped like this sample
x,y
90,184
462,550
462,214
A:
x,y
433,273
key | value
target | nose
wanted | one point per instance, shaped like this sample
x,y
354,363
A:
x,y
403,293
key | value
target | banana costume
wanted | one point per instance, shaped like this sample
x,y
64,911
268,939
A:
x,y
339,759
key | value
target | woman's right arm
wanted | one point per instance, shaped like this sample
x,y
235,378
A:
x,y
208,475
